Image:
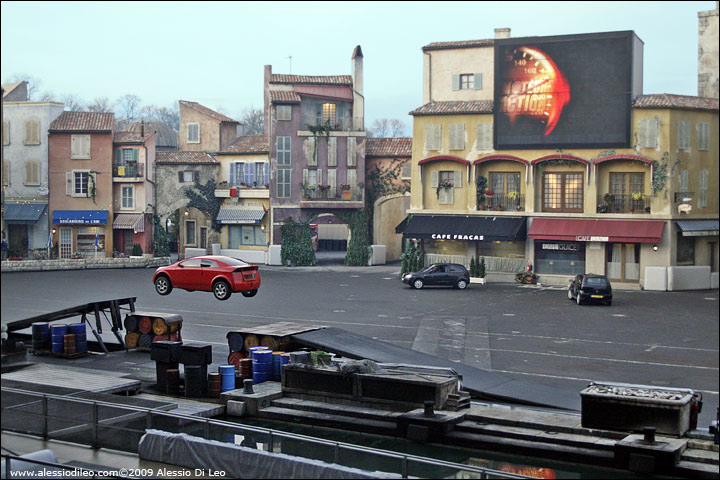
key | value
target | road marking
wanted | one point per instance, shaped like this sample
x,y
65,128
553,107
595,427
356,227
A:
x,y
508,314
344,284
619,315
338,311
354,276
388,278
710,298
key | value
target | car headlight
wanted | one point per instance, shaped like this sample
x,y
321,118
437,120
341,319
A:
x,y
407,276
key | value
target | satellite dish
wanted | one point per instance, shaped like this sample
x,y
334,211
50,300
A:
x,y
42,191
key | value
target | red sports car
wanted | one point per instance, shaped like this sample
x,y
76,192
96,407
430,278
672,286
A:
x,y
211,273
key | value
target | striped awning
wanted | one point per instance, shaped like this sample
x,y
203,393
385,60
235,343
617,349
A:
x,y
129,221
246,216
698,228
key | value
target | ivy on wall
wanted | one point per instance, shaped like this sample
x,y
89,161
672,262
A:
x,y
160,239
296,247
661,170
358,251
204,199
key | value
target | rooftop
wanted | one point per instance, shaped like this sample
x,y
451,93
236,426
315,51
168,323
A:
x,y
442,108
458,44
389,147
248,144
666,100
312,79
84,122
185,158
206,111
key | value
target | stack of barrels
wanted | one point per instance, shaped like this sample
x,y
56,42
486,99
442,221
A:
x,y
143,330
65,340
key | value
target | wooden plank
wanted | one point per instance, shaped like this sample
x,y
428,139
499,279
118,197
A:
x,y
78,379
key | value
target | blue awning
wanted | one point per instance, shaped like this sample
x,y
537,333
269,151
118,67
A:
x,y
24,213
80,217
698,228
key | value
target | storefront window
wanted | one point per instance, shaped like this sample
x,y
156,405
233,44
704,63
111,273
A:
x,y
685,250
86,241
559,257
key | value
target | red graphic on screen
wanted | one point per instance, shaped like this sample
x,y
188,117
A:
x,y
533,87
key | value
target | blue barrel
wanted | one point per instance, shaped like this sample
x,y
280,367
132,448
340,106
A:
x,y
227,377
57,333
80,332
255,349
40,336
262,365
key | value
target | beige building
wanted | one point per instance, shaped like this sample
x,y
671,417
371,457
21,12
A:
x,y
203,129
708,56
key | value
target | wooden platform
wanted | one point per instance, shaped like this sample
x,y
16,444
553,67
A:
x,y
73,378
187,406
280,329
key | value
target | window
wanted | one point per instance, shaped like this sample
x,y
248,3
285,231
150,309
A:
x,y
685,250
190,232
6,133
80,183
567,258
249,235
127,200
284,112
32,132
648,133
6,172
703,194
203,244
80,147
351,152
457,136
433,137
332,151
188,176
563,192
127,162
32,172
683,182
628,191
331,113
503,184
283,182
484,134
467,81
446,188
193,133
683,141
406,170
284,155
703,136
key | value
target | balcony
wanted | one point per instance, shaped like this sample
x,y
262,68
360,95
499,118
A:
x,y
509,202
224,190
124,173
633,203
321,196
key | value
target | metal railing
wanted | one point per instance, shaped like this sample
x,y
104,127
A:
x,y
112,425
634,203
510,202
73,472
129,170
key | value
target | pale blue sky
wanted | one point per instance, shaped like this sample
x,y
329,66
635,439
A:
x,y
214,53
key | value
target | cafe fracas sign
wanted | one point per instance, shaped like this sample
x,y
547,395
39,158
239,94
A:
x,y
444,236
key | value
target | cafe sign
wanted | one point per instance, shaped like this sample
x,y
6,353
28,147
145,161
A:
x,y
588,238
446,236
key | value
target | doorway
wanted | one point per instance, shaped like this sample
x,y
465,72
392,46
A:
x,y
623,262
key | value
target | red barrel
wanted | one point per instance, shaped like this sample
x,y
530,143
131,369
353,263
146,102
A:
x,y
145,325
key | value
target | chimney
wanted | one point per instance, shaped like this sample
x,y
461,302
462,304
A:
x,y
358,98
142,128
267,128
502,33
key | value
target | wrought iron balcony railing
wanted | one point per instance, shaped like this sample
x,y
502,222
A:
x,y
633,203
509,202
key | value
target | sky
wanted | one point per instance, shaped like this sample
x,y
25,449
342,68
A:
x,y
214,52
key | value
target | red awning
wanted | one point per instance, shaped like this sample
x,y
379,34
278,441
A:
x,y
335,93
619,231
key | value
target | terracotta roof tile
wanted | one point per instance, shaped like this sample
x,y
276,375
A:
x,y
388,147
247,145
131,137
459,44
666,100
443,108
84,122
312,79
166,135
284,96
185,158
210,113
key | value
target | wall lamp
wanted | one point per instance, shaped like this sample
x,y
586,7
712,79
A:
x,y
655,248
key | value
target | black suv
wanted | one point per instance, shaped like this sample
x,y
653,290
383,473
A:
x,y
439,274
590,287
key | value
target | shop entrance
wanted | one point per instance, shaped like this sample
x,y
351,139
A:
x,y
18,240
623,262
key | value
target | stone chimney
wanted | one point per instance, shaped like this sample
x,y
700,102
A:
x,y
268,130
358,98
502,33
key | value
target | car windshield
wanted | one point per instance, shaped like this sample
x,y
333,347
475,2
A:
x,y
595,282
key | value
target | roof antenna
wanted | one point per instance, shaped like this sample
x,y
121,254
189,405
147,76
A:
x,y
290,58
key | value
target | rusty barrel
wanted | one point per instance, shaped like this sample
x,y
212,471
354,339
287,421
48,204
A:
x,y
69,344
214,385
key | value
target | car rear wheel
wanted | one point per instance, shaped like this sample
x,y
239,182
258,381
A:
x,y
579,300
418,284
221,290
461,284
249,293
163,285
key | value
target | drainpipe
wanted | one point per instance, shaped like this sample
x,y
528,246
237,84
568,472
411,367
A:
x,y
152,182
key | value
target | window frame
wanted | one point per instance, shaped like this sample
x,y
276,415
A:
x,y
35,181
284,155
194,232
197,132
83,142
80,194
123,206
467,81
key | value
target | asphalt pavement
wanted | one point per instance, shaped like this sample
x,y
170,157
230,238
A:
x,y
527,332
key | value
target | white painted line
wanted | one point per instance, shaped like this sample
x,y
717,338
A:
x,y
344,284
619,315
388,278
338,311
354,276
710,298
508,314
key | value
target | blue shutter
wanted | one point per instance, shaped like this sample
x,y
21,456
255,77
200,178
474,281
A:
x,y
249,174
478,81
267,173
232,174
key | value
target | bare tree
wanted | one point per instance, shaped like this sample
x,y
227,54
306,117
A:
x,y
73,103
100,104
129,106
169,116
253,120
386,127
33,87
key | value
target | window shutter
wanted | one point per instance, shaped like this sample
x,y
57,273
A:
x,y
478,81
433,138
434,179
305,176
437,133
311,152
6,133
458,179
332,181
196,177
319,176
36,131
484,136
332,152
136,154
69,180
351,151
74,146
352,179
457,136
340,115
232,174
267,173
703,136
86,146
648,133
429,138
702,198
456,82
28,130
249,174
28,172
6,172
683,180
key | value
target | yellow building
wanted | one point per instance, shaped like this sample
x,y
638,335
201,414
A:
x,y
244,185
581,209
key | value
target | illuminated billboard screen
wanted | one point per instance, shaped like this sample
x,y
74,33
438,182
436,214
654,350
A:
x,y
566,91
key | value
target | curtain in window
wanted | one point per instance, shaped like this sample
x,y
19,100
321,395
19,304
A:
x,y
632,265
614,266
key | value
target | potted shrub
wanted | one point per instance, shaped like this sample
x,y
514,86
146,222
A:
x,y
137,251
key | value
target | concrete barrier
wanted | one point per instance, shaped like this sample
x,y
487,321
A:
x,y
377,255
688,278
83,264
249,256
274,255
656,279
195,252
714,280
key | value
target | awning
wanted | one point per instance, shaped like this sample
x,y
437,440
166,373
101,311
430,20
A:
x,y
24,213
80,217
129,221
620,231
455,227
699,228
247,216
335,93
